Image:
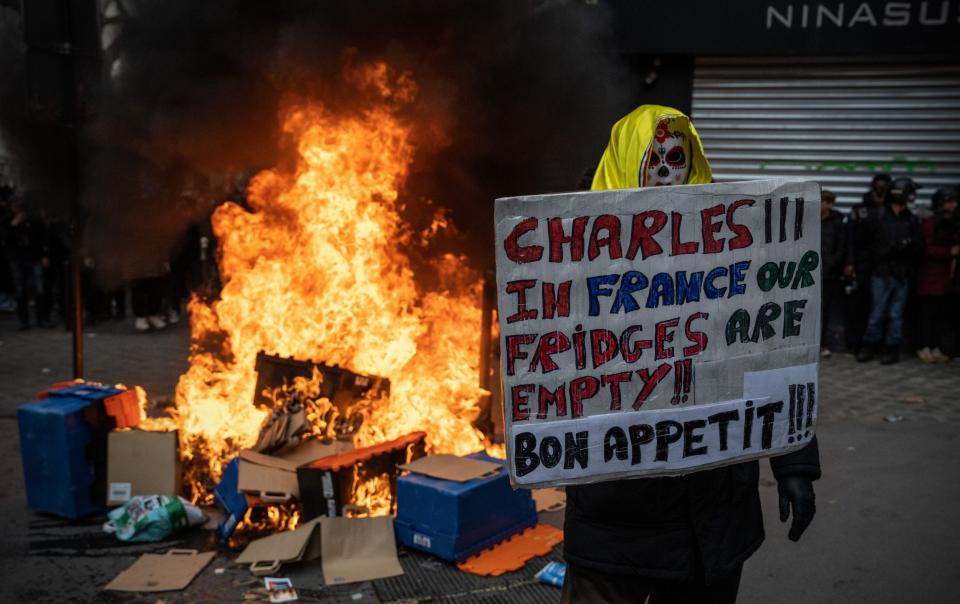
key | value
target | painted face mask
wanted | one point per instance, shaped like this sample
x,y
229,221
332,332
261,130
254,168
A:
x,y
667,159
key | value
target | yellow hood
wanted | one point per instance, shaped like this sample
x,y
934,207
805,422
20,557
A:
x,y
630,137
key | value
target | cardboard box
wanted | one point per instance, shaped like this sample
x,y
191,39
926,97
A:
x,y
273,478
142,463
63,447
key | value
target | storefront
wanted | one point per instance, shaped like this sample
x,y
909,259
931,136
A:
x,y
831,91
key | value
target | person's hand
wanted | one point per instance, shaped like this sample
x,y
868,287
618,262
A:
x,y
796,492
45,262
955,250
849,271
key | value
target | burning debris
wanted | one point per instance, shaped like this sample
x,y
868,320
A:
x,y
323,329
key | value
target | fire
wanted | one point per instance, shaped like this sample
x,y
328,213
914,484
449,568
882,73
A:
x,y
315,269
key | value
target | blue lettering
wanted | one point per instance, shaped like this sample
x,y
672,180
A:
x,y
596,289
661,291
711,291
688,291
736,278
632,281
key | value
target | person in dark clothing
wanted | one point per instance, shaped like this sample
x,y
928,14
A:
x,y
895,245
683,538
833,254
26,252
876,197
937,272
859,266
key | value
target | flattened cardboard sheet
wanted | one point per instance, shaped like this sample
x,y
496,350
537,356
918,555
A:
x,y
358,549
162,572
269,553
451,467
550,499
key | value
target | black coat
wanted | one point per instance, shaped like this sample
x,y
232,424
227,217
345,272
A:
x,y
896,243
676,527
833,245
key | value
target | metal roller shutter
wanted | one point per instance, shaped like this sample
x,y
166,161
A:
x,y
835,120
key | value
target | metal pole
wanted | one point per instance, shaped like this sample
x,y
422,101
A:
x,y
486,329
73,119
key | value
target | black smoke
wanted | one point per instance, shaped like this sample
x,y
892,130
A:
x,y
514,97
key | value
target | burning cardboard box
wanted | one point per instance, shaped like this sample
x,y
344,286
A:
x,y
364,478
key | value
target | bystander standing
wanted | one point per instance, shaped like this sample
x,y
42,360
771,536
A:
x,y
833,251
937,274
894,243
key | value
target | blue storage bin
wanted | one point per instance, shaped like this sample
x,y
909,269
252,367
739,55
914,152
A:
x,y
455,520
63,447
228,496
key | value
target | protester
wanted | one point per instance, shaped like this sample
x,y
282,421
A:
x,y
833,252
24,243
684,538
894,244
859,267
937,273
8,302
147,297
876,197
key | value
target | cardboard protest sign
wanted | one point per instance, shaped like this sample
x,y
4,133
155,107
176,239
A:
x,y
657,331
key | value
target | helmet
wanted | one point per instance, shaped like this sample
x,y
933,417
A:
x,y
902,190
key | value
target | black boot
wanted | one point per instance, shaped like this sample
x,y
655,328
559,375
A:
x,y
890,356
867,352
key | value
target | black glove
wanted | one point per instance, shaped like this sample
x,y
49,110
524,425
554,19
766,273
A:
x,y
796,490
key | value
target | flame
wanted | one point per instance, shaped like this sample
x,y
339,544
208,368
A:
x,y
316,269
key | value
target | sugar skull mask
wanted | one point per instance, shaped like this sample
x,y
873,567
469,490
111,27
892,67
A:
x,y
667,159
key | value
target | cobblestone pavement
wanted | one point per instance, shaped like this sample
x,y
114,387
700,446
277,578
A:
x,y
885,529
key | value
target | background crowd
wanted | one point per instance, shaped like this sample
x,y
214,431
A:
x,y
890,277
35,274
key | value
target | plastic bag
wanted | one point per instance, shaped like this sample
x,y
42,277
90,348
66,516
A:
x,y
152,518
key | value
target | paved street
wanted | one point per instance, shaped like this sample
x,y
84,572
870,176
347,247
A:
x,y
885,531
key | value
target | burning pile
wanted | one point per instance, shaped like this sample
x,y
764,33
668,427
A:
x,y
315,269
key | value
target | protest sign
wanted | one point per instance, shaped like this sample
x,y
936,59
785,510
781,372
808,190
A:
x,y
657,331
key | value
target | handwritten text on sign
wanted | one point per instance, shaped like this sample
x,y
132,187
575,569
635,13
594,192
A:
x,y
668,319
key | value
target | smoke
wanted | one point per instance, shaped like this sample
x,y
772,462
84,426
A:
x,y
514,97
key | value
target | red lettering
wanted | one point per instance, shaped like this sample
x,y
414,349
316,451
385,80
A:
x,y
556,300
631,355
711,228
678,247
649,382
744,238
549,397
522,253
698,339
581,389
613,380
550,343
610,224
519,398
558,238
661,336
603,343
513,350
520,289
641,236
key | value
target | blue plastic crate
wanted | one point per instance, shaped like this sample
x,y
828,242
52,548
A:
x,y
63,446
455,520
228,496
